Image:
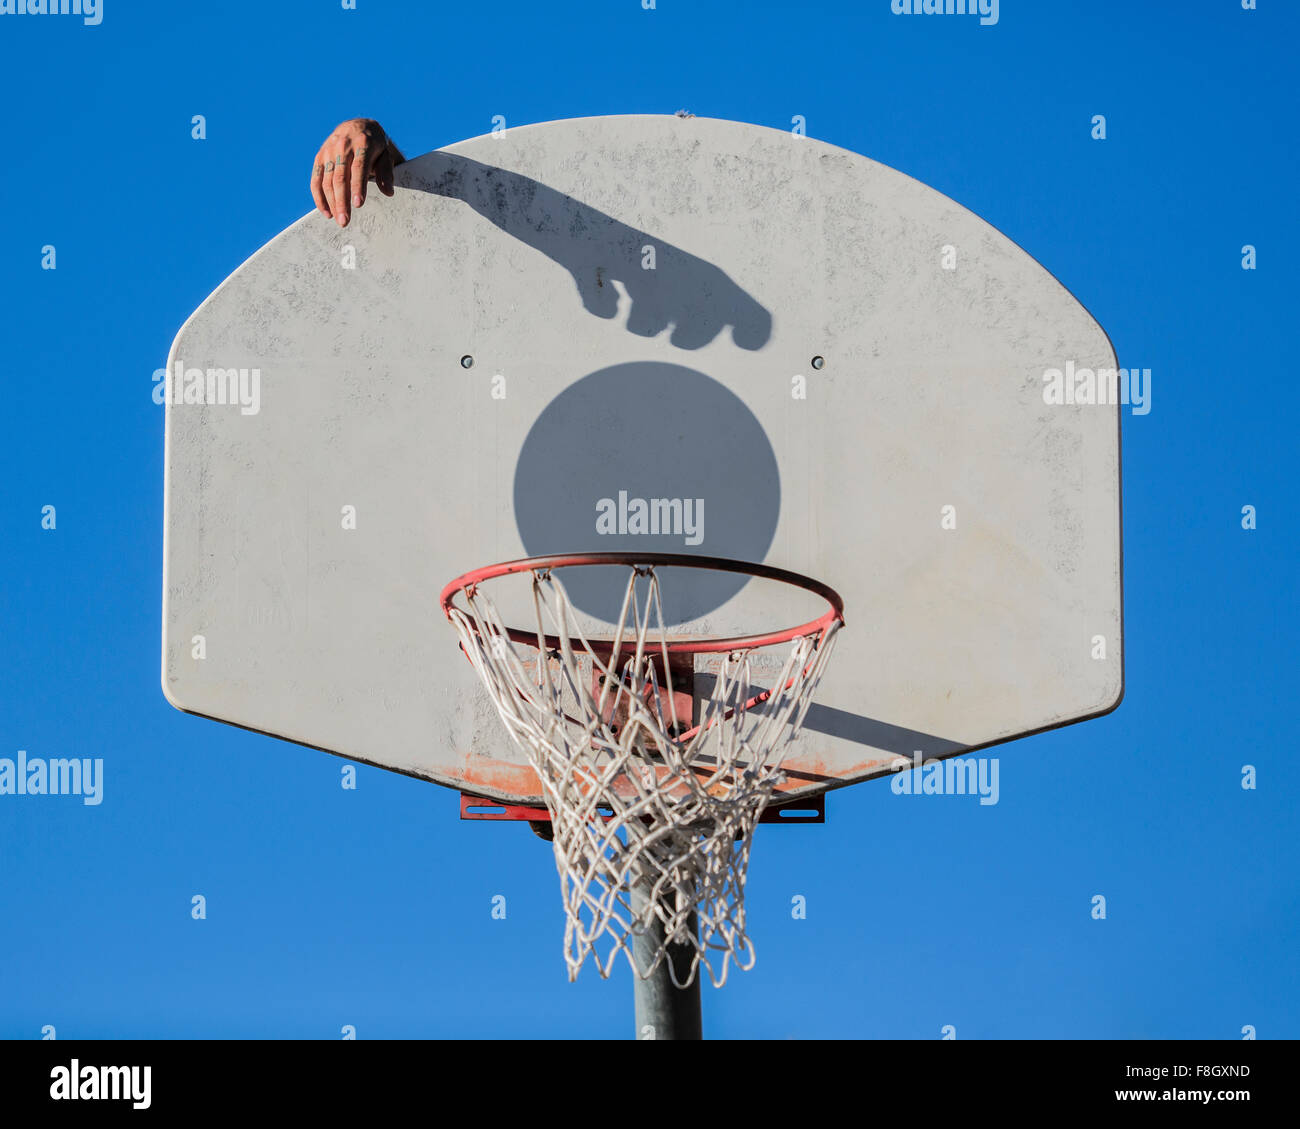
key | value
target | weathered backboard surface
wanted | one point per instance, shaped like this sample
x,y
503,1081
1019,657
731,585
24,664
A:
x,y
572,316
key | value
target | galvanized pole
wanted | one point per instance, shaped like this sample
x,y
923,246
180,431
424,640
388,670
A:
x,y
664,1011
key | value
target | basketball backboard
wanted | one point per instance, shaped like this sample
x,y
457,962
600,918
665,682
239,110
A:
x,y
647,333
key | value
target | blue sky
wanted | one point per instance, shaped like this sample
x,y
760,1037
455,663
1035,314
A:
x,y
372,908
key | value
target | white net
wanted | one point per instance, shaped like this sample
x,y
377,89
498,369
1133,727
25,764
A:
x,y
652,814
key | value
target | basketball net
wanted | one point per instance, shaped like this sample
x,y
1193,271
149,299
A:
x,y
641,799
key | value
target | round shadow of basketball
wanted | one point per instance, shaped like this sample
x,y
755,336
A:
x,y
653,457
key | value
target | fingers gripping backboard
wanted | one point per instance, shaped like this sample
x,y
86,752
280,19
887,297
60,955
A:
x,y
646,333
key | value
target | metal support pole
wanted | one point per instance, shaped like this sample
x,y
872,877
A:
x,y
664,1011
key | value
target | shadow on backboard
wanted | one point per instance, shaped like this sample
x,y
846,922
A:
x,y
680,290
862,730
878,734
